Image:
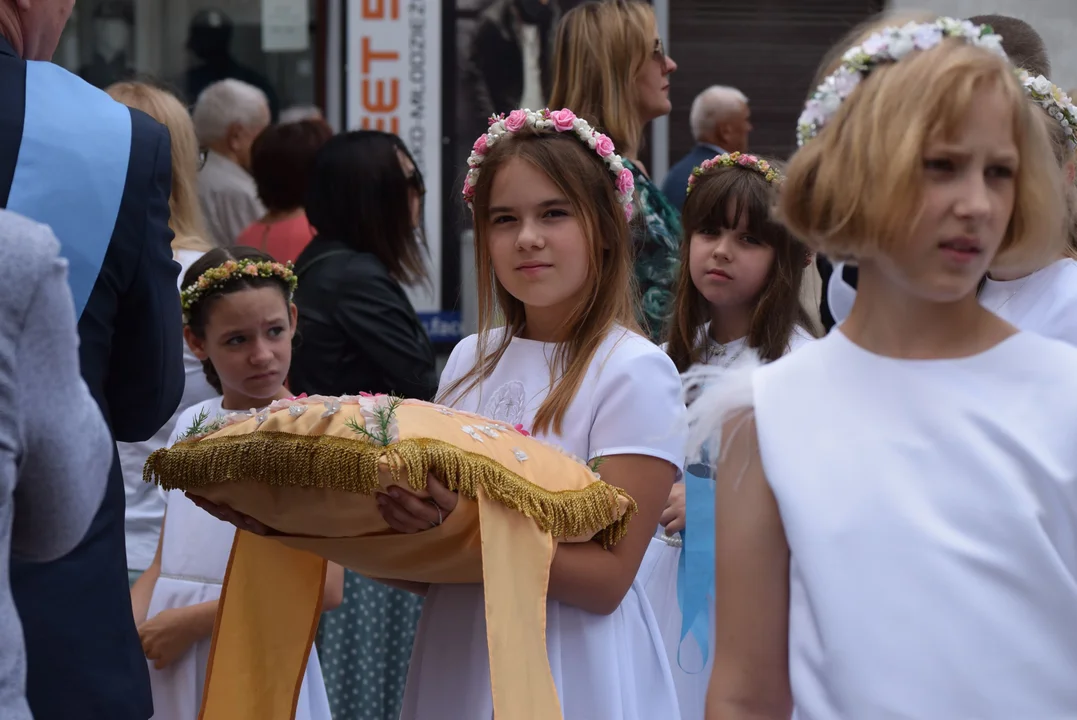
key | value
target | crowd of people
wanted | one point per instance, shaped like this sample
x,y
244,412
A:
x,y
857,501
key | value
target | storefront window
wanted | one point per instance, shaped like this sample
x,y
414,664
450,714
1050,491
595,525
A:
x,y
188,44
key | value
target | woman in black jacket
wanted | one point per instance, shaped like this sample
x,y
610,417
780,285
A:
x,y
358,332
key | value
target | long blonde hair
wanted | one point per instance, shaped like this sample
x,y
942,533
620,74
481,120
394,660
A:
x,y
609,296
186,219
601,48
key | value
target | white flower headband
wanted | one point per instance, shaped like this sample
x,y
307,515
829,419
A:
x,y
560,121
1052,99
889,45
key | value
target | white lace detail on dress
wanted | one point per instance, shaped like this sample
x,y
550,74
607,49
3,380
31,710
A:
x,y
507,403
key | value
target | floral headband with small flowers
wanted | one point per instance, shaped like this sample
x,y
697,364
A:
x,y
888,45
230,270
736,159
564,121
1056,102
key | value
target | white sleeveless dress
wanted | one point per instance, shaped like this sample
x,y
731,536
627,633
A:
x,y
194,557
931,512
606,667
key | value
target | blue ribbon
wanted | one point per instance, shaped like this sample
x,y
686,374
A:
x,y
72,168
695,571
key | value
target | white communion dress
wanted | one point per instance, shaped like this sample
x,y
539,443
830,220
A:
x,y
930,508
606,667
194,557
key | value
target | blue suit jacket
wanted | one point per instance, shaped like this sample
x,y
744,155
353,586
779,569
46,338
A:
x,y
675,186
85,660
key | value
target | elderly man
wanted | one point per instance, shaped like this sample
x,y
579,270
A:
x,y
720,121
100,175
228,116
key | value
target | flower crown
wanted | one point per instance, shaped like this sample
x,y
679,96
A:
x,y
230,270
560,121
1056,102
736,159
888,45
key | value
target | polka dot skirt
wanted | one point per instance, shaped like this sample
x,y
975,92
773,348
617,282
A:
x,y
364,647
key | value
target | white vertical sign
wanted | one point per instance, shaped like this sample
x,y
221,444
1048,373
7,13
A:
x,y
394,84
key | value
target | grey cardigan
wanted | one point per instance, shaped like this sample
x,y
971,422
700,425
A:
x,y
55,448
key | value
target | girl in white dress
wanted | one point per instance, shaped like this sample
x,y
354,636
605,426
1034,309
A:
x,y
554,258
896,512
1044,301
737,306
239,321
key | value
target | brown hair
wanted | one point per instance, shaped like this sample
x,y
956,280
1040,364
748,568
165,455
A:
x,y
1022,43
601,48
717,202
185,219
852,191
281,160
1066,159
198,313
609,298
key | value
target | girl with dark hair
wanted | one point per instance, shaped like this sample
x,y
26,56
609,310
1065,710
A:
x,y
358,332
238,320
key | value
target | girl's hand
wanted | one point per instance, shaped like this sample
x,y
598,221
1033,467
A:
x,y
673,517
168,635
228,515
407,513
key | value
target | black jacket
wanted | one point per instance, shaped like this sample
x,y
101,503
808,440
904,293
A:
x,y
357,329
495,64
84,656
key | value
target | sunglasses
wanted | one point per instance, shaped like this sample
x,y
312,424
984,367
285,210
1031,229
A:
x,y
659,51
203,155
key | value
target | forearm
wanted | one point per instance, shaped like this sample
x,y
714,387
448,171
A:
x,y
201,617
587,576
142,592
722,709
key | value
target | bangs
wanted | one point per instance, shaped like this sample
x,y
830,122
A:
x,y
961,87
722,197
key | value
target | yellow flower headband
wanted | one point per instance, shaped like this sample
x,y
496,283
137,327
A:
x,y
231,270
736,159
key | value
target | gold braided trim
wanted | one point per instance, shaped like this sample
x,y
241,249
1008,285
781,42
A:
x,y
328,462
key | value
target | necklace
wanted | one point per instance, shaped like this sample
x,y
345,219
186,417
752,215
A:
x,y
719,351
1019,289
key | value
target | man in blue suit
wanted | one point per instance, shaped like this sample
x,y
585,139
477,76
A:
x,y
100,175
720,121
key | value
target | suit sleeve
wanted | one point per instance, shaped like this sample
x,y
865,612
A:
x,y
146,377
376,318
66,449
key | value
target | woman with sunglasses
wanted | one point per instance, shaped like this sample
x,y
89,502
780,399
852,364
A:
x,y
358,332
599,44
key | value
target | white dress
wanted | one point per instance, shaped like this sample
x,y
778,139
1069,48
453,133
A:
x,y
194,557
930,507
1044,302
661,565
609,667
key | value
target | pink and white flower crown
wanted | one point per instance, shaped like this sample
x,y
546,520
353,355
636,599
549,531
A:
x,y
736,159
564,121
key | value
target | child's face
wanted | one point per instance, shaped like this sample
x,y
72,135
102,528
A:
x,y
249,340
729,267
969,191
537,245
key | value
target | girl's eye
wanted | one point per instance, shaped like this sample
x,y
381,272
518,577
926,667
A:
x,y
276,331
709,232
938,164
235,340
751,239
1000,171
556,213
502,219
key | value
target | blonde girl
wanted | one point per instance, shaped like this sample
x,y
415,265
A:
x,y
886,494
549,198
145,503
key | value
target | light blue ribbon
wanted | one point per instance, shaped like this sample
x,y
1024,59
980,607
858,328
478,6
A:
x,y
695,571
72,168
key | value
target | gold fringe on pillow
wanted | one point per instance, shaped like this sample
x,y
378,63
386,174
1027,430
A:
x,y
328,462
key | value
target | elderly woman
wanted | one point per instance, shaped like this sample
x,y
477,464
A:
x,y
228,116
599,45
